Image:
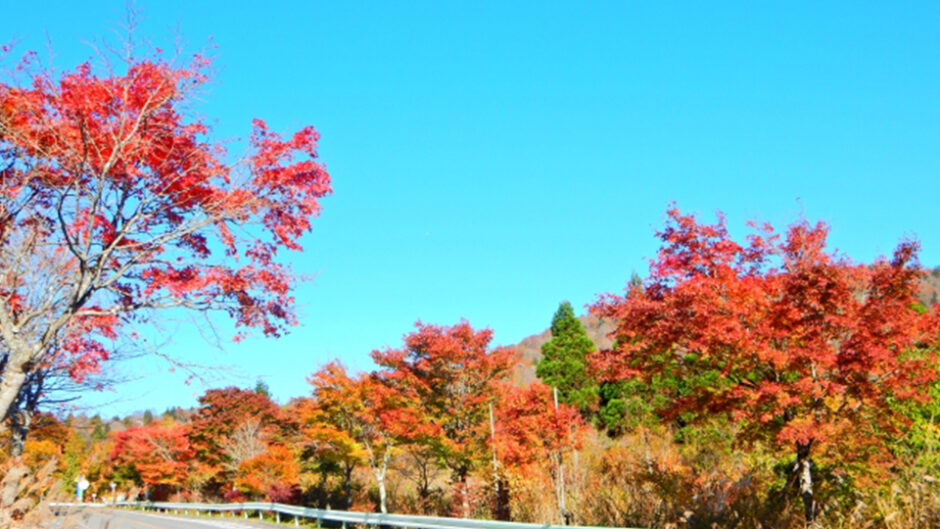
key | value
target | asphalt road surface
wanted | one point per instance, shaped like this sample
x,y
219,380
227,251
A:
x,y
95,518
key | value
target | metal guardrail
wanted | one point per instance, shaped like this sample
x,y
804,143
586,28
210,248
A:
x,y
343,517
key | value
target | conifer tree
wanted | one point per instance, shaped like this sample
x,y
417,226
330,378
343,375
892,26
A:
x,y
564,361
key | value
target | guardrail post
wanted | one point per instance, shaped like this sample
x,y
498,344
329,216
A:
x,y
260,515
296,523
245,512
277,516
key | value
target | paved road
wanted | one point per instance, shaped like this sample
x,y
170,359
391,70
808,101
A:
x,y
95,518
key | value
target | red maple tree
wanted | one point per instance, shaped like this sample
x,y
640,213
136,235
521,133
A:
x,y
160,453
115,201
532,429
801,346
455,378
230,426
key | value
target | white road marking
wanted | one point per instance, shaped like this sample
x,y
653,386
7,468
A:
x,y
210,523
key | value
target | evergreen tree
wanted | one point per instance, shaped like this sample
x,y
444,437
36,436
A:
x,y
262,388
148,417
624,404
99,430
564,361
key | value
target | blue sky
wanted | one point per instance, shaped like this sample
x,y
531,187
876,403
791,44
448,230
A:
x,y
491,159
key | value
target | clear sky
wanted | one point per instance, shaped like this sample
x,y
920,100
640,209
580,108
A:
x,y
491,159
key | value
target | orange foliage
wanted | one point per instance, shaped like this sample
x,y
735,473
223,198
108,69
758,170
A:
x,y
530,430
278,466
160,453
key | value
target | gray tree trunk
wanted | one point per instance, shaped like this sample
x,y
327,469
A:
x,y
804,472
14,376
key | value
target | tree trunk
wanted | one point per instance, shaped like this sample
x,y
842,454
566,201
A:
x,y
348,485
380,480
19,425
464,493
20,415
383,496
14,376
502,509
804,472
560,490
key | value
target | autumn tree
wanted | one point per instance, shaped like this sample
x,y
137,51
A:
x,y
365,416
160,453
456,378
564,361
532,429
268,473
115,202
231,425
800,346
330,445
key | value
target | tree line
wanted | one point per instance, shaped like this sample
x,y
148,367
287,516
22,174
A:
x,y
771,381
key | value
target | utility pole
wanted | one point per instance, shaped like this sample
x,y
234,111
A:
x,y
502,511
493,444
560,486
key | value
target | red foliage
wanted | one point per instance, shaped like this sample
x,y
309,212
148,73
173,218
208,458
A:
x,y
275,468
454,377
801,345
234,495
112,194
221,412
161,454
529,430
280,493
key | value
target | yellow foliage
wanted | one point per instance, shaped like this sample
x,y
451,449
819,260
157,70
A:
x,y
37,453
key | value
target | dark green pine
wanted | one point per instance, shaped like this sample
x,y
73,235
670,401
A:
x,y
564,361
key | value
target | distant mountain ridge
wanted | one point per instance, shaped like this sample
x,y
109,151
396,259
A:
x,y
930,287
